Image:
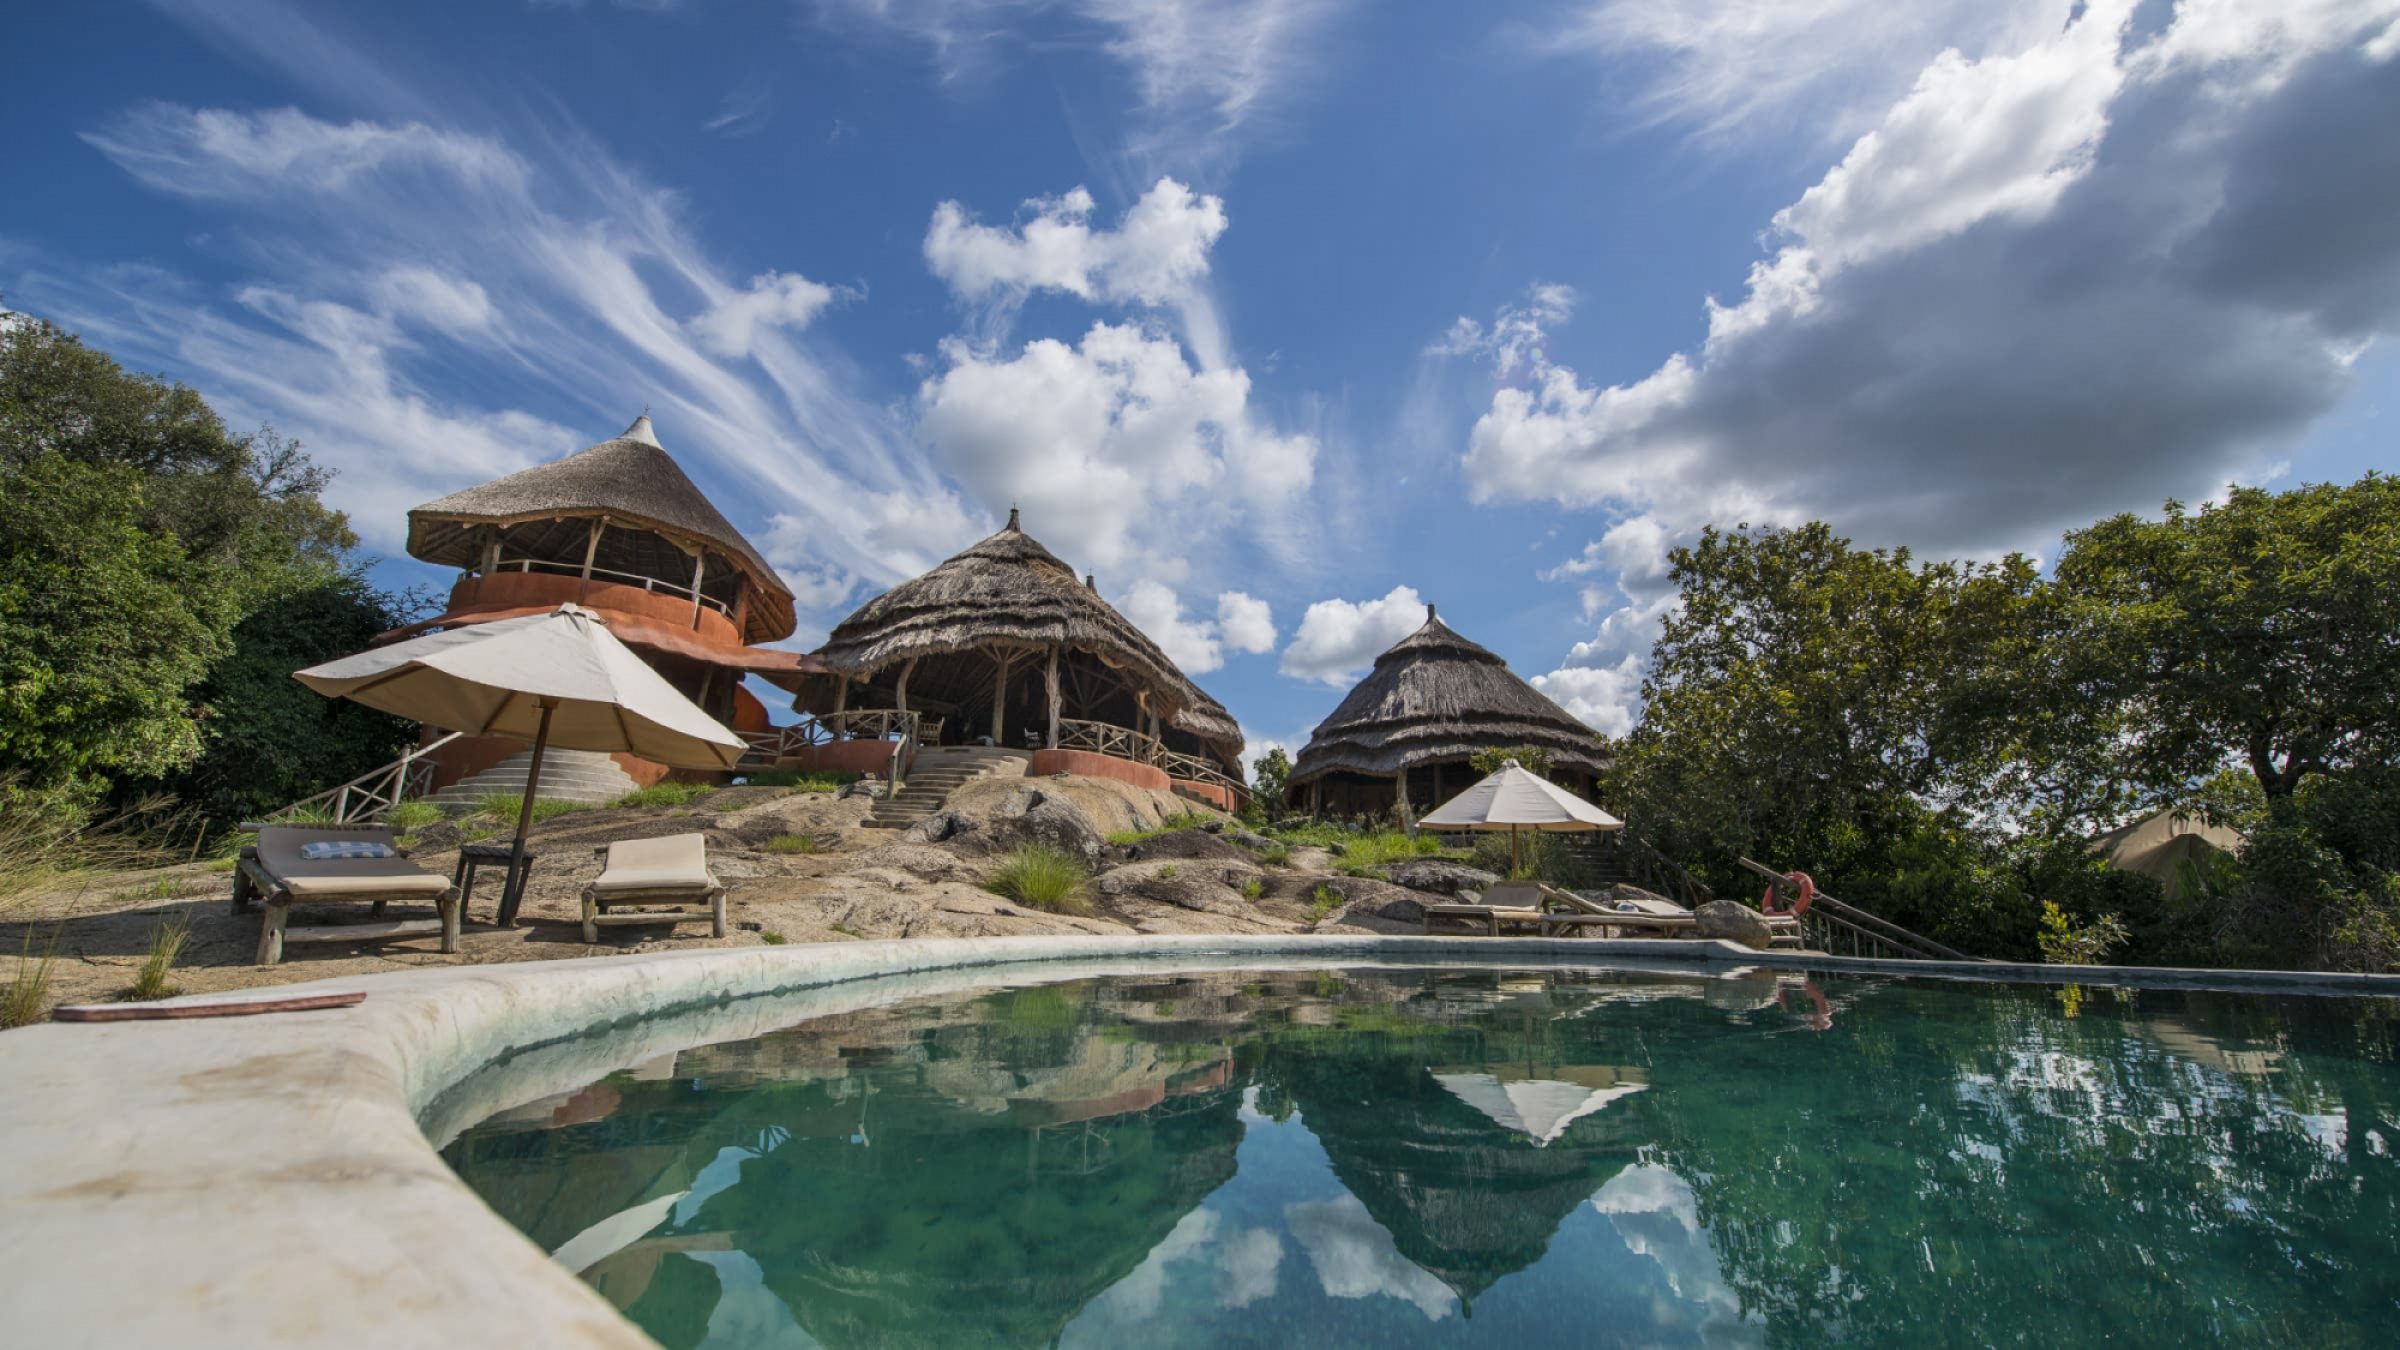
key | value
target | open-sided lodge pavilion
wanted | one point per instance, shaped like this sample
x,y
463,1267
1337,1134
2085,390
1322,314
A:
x,y
1416,722
1003,645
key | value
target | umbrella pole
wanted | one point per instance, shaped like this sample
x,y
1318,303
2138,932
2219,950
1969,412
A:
x,y
514,894
1513,869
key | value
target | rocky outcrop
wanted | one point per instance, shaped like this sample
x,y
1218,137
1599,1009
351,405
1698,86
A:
x,y
1031,816
1200,843
1439,877
1733,920
942,827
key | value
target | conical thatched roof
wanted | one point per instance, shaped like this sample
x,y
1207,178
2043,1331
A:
x,y
1009,589
629,479
1436,696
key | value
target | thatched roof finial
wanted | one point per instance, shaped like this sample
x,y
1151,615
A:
x,y
1012,519
1091,582
1430,616
641,430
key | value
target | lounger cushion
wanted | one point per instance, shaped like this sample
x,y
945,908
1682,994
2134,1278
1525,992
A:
x,y
341,878
677,862
321,849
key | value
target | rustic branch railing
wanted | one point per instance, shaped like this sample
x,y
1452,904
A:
x,y
1830,924
1198,770
650,584
1104,738
374,792
776,744
1655,871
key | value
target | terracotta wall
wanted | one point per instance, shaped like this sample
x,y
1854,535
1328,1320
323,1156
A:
x,y
519,590
843,757
1215,794
1086,764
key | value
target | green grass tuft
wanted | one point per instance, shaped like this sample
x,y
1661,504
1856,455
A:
x,y
30,989
1322,901
503,808
795,843
773,938
166,943
1043,878
665,794
1254,888
414,815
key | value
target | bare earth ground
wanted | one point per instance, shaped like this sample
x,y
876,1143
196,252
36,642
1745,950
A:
x,y
866,883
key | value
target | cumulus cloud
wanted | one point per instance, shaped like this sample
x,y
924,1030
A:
x,y
732,325
1338,639
2129,257
1246,621
1092,440
1355,1258
1156,255
1602,697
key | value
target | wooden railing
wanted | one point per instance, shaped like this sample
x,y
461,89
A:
x,y
1107,738
650,584
1846,930
1655,871
772,746
372,793
1197,770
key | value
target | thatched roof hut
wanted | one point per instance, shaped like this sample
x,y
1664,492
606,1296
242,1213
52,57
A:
x,y
654,523
1004,635
1433,700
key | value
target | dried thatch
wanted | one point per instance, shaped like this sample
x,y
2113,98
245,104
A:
x,y
633,482
1436,697
1010,591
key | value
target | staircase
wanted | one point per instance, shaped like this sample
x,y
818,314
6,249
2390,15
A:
x,y
939,771
588,776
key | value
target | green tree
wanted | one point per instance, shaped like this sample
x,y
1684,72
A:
x,y
1268,774
143,545
1533,759
2265,630
1842,710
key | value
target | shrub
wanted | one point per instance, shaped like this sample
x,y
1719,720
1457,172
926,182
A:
x,y
1362,854
1274,853
664,794
795,843
1253,888
166,943
1043,878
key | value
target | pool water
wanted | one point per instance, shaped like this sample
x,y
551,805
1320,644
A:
x,y
1397,1157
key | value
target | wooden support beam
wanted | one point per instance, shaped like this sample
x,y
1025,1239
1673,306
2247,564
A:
x,y
1050,684
900,690
1002,660
699,565
591,549
841,696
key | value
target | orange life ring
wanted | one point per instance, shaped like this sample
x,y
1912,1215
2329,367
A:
x,y
1800,903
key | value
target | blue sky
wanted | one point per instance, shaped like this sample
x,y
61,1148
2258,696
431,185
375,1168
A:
x,y
1281,316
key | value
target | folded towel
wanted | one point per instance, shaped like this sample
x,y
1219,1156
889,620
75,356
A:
x,y
324,849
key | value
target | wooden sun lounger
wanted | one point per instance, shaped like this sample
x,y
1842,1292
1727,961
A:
x,y
672,870
272,872
1489,917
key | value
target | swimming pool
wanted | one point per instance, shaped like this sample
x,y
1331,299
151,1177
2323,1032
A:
x,y
1396,1156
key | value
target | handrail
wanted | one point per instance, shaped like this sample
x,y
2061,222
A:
x,y
1645,863
651,584
1859,923
377,790
1192,767
1107,738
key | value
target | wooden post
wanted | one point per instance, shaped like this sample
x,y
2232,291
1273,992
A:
x,y
741,605
1050,685
900,690
841,696
1000,695
591,549
489,562
699,564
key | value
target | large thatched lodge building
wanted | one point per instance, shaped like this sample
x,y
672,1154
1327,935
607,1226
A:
x,y
619,528
1004,645
1414,723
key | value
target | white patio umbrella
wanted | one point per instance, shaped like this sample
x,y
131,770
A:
x,y
558,678
1512,800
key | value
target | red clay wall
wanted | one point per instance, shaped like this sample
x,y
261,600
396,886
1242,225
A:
x,y
519,590
1215,794
843,757
1085,764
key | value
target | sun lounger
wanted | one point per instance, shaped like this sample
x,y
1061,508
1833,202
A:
x,y
1489,917
276,872
669,871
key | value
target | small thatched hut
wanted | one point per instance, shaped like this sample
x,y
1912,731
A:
x,y
1433,700
1003,641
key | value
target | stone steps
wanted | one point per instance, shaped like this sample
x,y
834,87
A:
x,y
587,776
937,774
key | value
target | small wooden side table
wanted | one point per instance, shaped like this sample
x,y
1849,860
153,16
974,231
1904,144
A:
x,y
474,856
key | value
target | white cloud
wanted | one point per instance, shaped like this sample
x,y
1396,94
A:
x,y
1338,639
1604,698
1096,441
1157,255
1246,622
1722,66
455,306
2072,268
1155,610
211,152
773,300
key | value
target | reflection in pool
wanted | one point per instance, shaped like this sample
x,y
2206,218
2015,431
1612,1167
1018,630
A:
x,y
1443,1157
